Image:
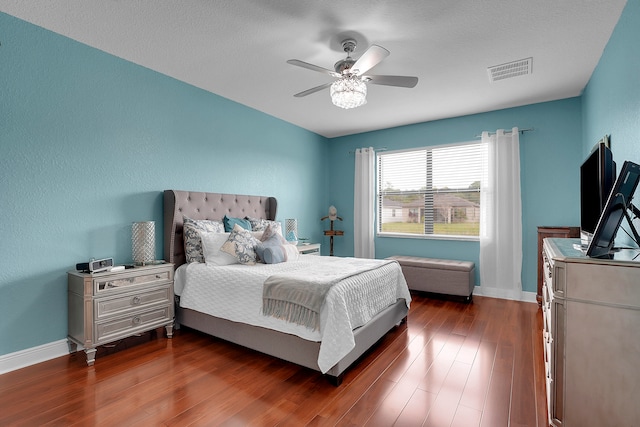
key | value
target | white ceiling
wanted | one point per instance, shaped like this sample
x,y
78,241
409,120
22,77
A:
x,y
238,49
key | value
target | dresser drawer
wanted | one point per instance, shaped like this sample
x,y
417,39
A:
x,y
103,284
125,326
118,305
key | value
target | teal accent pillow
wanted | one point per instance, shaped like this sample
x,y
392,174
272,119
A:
x,y
229,222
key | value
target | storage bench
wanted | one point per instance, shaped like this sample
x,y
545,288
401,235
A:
x,y
438,276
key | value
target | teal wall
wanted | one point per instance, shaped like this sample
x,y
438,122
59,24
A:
x,y
612,98
549,161
88,143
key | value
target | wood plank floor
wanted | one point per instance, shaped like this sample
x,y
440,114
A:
x,y
451,364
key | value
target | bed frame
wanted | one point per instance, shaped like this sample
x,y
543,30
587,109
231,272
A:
x,y
214,206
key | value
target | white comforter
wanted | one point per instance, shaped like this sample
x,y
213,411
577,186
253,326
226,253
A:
x,y
234,292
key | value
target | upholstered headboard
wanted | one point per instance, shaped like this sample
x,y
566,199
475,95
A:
x,y
212,206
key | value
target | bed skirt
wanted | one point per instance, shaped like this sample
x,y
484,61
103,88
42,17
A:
x,y
279,344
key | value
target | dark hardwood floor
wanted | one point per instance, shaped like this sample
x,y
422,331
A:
x,y
451,364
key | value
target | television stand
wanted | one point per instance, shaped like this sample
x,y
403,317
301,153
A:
x,y
636,212
634,231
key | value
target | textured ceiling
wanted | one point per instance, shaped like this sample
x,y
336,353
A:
x,y
238,49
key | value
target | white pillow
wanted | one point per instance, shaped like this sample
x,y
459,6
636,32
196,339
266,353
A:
x,y
211,244
292,252
192,241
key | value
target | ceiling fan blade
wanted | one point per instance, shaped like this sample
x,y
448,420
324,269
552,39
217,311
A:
x,y
312,90
369,59
312,67
401,81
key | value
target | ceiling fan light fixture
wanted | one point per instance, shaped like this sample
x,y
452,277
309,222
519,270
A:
x,y
349,92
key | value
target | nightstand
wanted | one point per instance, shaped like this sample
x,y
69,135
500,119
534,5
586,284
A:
x,y
105,307
309,248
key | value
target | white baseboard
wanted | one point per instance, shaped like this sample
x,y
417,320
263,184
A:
x,y
31,356
484,291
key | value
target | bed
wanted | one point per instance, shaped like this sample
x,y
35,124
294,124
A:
x,y
286,344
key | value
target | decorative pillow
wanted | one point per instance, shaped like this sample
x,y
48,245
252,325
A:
x,y
211,244
261,224
275,250
275,241
257,235
229,222
271,230
269,235
241,244
192,242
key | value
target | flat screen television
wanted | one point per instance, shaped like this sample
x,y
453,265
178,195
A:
x,y
597,175
619,201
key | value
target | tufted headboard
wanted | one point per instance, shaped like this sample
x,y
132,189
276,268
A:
x,y
212,206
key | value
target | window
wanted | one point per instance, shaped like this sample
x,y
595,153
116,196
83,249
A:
x,y
431,191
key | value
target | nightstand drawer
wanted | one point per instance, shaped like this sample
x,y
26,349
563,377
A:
x,y
309,248
126,326
122,304
121,281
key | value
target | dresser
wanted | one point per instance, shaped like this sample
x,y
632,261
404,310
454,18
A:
x,y
545,232
591,334
108,306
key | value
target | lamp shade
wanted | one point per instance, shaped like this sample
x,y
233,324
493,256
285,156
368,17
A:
x,y
143,241
291,230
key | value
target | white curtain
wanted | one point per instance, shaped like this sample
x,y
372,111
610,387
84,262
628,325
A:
x,y
501,216
364,203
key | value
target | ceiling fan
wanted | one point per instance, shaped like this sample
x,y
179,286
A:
x,y
350,89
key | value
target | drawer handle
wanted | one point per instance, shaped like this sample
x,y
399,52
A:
x,y
158,276
136,320
136,300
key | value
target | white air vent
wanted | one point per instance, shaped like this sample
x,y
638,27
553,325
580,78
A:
x,y
510,69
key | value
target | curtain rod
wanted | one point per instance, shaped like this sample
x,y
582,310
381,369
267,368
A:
x,y
519,130
477,136
375,149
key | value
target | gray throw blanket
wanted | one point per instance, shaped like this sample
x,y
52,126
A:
x,y
298,296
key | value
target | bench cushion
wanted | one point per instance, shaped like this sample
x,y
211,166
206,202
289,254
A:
x,y
441,264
